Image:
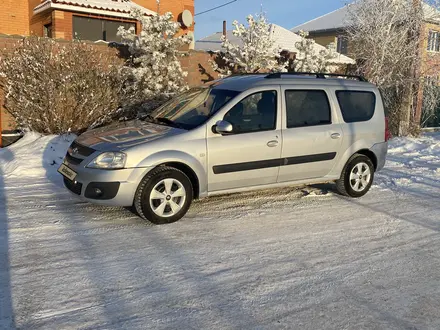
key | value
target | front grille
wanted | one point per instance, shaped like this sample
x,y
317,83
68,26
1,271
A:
x,y
77,153
82,150
73,160
74,187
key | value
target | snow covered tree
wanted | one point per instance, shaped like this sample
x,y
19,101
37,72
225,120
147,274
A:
x,y
154,71
310,60
255,51
385,36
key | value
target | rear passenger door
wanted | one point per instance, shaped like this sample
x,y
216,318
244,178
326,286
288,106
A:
x,y
311,135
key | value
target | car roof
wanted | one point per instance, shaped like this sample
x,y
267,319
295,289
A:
x,y
244,82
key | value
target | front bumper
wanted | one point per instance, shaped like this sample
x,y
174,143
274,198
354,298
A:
x,y
121,184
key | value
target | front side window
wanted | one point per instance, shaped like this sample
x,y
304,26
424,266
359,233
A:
x,y
192,108
434,41
307,108
356,106
255,113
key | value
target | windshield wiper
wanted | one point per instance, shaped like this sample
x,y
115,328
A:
x,y
149,118
168,122
162,120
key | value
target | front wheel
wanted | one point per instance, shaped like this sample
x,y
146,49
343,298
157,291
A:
x,y
164,195
357,177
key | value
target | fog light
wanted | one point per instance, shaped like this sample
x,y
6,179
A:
x,y
102,190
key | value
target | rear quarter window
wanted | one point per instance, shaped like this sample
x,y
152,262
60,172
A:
x,y
356,106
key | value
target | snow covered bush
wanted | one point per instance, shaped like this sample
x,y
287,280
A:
x,y
254,53
54,88
309,60
153,71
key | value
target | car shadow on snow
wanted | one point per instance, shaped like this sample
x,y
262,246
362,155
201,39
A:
x,y
114,282
53,156
424,191
7,320
84,223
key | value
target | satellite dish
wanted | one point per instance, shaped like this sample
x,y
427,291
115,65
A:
x,y
187,18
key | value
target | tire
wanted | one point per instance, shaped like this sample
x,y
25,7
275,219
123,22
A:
x,y
351,183
154,199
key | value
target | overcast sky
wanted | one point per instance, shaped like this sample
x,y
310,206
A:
x,y
287,13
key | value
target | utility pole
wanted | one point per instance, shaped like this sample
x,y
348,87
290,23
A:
x,y
419,85
158,6
413,96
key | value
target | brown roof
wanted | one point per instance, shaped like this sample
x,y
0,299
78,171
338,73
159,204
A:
x,y
121,6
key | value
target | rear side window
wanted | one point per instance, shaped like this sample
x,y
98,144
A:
x,y
356,106
307,108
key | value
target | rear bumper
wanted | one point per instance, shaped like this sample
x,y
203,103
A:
x,y
118,186
381,151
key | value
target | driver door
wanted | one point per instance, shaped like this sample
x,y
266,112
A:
x,y
250,155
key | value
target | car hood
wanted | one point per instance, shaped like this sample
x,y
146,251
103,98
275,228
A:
x,y
124,135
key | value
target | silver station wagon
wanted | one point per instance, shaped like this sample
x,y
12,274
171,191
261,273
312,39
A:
x,y
235,134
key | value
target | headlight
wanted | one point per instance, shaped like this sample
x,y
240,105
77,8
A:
x,y
109,160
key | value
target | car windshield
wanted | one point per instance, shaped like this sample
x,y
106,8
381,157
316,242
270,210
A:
x,y
192,108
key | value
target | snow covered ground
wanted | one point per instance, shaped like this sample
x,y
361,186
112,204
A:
x,y
296,258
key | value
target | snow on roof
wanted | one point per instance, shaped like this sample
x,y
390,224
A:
x,y
338,19
120,8
331,21
213,42
282,38
431,13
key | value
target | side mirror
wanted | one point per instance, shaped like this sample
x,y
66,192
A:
x,y
222,127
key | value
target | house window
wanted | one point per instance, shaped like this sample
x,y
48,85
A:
x,y
434,41
432,80
47,30
342,46
94,29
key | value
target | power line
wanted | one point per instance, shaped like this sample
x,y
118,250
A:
x,y
207,11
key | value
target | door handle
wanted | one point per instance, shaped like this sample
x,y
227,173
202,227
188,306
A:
x,y
335,136
272,144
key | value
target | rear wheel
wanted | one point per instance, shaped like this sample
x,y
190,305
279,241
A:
x,y
357,177
164,195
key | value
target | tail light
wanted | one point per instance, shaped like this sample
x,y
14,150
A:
x,y
388,134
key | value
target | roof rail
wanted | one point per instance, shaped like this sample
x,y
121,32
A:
x,y
278,75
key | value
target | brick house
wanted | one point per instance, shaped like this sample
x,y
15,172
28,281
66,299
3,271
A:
x,y
85,19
